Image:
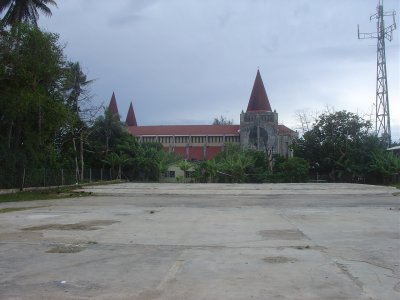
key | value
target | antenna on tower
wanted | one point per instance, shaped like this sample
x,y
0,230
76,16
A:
x,y
382,122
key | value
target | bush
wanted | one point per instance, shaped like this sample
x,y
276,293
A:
x,y
294,169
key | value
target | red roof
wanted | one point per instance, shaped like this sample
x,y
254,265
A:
x,y
113,105
130,118
258,98
195,130
283,130
185,130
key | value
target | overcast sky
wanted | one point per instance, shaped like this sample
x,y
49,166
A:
x,y
188,61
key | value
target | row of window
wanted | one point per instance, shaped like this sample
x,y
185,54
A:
x,y
266,118
193,139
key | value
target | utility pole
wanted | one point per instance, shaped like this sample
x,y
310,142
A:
x,y
382,121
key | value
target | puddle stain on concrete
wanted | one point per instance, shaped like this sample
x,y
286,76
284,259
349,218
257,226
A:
x,y
279,259
285,234
20,236
66,249
86,225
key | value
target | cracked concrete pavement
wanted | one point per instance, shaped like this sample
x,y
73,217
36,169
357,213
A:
x,y
205,241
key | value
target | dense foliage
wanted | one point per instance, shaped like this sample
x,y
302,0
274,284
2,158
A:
x,y
24,10
235,165
47,120
32,110
342,147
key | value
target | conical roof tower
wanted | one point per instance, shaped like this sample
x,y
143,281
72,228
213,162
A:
x,y
113,105
258,99
130,118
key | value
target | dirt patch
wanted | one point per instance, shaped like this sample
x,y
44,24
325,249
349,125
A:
x,y
303,247
66,249
86,225
279,259
286,234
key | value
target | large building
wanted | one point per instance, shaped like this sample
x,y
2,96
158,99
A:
x,y
258,129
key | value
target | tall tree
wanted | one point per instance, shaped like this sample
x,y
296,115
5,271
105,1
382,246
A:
x,y
108,128
77,96
184,165
24,10
339,144
31,106
222,121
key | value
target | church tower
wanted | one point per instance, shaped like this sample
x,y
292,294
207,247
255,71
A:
x,y
113,105
130,117
259,124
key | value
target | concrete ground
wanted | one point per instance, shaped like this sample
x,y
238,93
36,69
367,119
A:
x,y
205,241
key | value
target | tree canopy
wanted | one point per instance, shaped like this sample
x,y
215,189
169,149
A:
x,y
340,145
24,10
221,120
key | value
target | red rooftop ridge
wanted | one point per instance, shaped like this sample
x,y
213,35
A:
x,y
192,130
187,130
258,98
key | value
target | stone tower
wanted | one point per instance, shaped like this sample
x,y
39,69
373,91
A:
x,y
259,124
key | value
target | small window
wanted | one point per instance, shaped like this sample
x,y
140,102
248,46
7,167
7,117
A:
x,y
169,174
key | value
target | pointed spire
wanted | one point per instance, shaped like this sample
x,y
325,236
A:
x,y
258,98
130,118
113,105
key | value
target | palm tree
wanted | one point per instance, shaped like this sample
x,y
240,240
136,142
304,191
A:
x,y
210,168
184,165
24,10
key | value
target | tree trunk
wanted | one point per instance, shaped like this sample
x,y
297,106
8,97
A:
x,y
40,125
81,152
76,158
107,138
9,136
18,132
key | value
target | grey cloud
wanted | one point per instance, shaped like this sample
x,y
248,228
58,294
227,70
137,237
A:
x,y
190,60
124,20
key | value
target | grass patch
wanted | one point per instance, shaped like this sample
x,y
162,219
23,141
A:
x,y
11,209
48,194
397,185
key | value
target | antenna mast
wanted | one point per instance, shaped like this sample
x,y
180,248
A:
x,y
382,122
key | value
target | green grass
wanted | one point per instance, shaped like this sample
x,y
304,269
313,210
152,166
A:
x,y
55,193
50,194
397,185
11,209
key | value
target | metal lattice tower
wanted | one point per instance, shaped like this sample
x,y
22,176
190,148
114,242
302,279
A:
x,y
382,122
